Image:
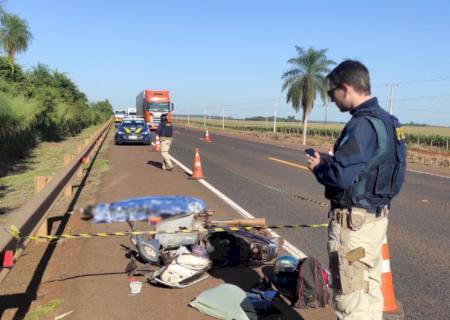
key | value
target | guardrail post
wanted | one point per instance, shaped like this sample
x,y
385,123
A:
x,y
42,231
68,189
68,192
80,172
39,183
80,169
67,159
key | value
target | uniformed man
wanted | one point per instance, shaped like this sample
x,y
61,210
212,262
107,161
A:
x,y
362,176
165,133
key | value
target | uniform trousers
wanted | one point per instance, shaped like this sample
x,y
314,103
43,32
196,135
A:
x,y
165,148
366,302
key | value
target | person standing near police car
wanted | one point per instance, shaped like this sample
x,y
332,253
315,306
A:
x,y
165,133
362,176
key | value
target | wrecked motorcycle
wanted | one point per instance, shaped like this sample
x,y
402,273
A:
x,y
186,242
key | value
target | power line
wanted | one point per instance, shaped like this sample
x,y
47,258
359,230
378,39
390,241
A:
x,y
437,79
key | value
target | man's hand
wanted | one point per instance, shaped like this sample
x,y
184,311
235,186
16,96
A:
x,y
313,161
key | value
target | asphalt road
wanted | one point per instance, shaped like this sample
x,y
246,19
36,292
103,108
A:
x,y
252,174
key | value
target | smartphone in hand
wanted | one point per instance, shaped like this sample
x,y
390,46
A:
x,y
310,152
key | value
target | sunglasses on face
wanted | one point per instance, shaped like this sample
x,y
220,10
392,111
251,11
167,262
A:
x,y
331,92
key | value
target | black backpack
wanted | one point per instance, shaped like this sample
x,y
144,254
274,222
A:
x,y
312,284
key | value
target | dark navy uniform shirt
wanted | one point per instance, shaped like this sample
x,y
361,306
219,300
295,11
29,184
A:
x,y
164,129
354,148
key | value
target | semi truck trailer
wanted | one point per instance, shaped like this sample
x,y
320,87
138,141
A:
x,y
151,104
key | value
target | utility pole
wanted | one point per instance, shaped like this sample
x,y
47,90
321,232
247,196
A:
x,y
204,119
223,118
391,96
275,119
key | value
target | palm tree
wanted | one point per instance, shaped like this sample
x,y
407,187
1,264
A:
x,y
2,11
14,35
305,80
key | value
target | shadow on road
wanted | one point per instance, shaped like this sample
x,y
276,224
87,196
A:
x,y
156,164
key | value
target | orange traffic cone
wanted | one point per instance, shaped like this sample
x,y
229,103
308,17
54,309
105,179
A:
x,y
392,309
197,172
157,146
207,138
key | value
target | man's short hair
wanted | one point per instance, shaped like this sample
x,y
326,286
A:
x,y
353,73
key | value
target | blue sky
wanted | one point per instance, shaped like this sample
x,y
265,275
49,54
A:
x,y
232,53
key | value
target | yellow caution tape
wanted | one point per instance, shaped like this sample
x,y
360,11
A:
x,y
16,234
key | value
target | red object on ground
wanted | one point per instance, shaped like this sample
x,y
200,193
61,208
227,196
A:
x,y
8,259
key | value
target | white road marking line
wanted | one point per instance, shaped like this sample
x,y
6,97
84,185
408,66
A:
x,y
430,174
287,245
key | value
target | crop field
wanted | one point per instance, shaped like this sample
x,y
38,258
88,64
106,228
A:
x,y
429,137
417,130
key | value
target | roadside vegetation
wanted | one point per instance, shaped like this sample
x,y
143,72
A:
x,y
46,159
37,105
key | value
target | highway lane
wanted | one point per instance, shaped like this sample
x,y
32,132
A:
x,y
418,230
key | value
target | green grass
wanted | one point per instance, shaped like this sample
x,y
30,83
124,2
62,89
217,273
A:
x,y
41,311
44,160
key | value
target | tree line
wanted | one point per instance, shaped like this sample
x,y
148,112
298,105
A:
x,y
39,104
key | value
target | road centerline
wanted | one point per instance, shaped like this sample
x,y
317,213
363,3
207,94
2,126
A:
x,y
288,163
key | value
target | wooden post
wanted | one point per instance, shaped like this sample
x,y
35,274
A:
x,y
67,159
68,192
80,172
42,231
39,183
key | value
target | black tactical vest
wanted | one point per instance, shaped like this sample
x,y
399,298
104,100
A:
x,y
166,129
383,175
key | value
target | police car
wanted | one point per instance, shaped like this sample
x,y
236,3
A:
x,y
133,130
